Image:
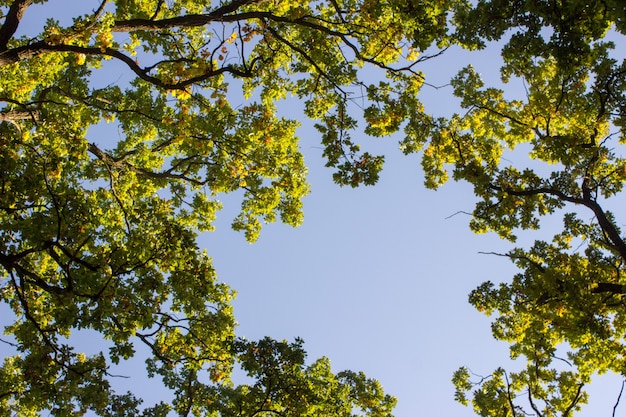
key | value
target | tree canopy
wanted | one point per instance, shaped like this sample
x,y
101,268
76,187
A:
x,y
98,226
563,314
106,184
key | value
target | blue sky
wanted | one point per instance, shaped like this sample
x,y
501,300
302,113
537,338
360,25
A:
x,y
376,278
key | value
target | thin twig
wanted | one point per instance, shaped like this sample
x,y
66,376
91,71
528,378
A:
x,y
619,397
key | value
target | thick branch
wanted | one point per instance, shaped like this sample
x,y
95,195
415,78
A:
x,y
220,15
609,287
13,116
191,20
12,20
29,51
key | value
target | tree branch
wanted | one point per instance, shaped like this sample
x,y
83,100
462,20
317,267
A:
x,y
532,403
307,58
509,396
12,116
513,257
605,224
12,20
123,165
28,51
190,20
604,287
575,400
619,397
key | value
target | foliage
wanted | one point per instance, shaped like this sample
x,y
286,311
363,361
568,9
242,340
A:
x,y
285,386
563,314
98,233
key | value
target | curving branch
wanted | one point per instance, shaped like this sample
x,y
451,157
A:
x,y
121,164
307,58
532,403
191,20
607,226
221,14
619,397
29,51
12,21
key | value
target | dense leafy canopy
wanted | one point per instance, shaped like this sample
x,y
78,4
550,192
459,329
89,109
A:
x,y
98,225
564,312
106,183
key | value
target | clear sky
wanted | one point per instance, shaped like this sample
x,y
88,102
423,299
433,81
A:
x,y
376,278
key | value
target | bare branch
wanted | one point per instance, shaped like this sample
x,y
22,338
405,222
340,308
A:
x,y
619,397
457,213
532,402
515,257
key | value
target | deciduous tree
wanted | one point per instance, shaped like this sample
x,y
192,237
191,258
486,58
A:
x,y
98,226
564,313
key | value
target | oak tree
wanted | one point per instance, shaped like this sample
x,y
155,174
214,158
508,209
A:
x,y
555,150
98,224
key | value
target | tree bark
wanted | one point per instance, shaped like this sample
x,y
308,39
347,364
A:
x,y
12,116
12,21
609,287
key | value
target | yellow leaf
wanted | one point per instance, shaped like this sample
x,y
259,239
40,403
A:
x,y
80,59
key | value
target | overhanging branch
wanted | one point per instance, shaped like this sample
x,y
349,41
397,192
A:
x,y
190,20
12,20
121,164
13,115
587,200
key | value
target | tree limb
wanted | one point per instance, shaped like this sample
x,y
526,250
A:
x,y
123,165
619,397
190,20
14,115
29,51
575,400
609,287
605,224
12,20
